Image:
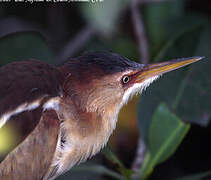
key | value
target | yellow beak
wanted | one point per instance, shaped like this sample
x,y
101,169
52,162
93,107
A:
x,y
157,69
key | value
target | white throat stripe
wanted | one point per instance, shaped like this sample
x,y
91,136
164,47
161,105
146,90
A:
x,y
137,88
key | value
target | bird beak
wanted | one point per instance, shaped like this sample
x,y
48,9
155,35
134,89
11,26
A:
x,y
153,70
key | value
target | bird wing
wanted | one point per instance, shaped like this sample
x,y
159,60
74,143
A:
x,y
32,158
24,88
22,83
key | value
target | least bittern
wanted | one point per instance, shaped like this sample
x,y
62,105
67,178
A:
x,y
64,115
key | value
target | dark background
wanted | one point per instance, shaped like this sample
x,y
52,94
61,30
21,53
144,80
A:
x,y
69,32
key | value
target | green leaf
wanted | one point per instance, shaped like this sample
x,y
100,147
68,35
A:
x,y
88,171
112,157
104,15
156,16
165,134
183,44
174,84
199,176
197,94
163,143
24,46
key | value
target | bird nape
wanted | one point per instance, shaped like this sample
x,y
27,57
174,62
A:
x,y
60,116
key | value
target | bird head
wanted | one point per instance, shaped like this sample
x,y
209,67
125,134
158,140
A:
x,y
100,81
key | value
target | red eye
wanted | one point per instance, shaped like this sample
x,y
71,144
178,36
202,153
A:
x,y
125,79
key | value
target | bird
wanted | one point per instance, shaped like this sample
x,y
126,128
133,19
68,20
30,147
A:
x,y
63,115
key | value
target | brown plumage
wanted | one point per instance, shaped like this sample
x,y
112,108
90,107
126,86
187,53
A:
x,y
64,115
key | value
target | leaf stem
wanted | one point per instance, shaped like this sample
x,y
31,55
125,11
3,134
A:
x,y
147,167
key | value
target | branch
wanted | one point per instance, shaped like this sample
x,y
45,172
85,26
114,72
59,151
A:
x,y
140,32
144,58
144,55
139,158
75,44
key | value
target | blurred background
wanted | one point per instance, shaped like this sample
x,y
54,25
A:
x,y
145,31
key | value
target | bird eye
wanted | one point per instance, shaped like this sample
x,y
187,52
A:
x,y
125,79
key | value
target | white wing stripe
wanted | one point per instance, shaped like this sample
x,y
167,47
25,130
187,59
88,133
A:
x,y
21,108
52,103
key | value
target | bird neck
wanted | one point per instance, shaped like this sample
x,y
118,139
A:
x,y
89,123
82,133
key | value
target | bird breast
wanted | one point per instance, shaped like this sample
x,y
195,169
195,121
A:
x,y
82,135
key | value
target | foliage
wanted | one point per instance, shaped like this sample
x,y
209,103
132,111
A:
x,y
109,10
182,96
162,142
169,106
